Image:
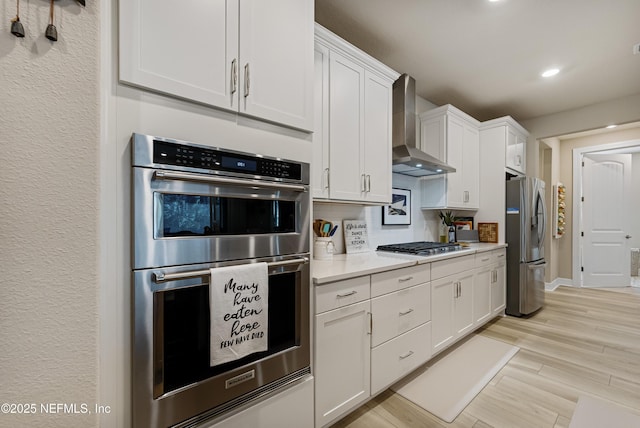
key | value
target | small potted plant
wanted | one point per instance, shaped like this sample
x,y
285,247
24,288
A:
x,y
448,233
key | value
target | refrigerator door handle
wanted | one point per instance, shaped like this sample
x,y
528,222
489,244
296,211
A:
x,y
544,220
536,266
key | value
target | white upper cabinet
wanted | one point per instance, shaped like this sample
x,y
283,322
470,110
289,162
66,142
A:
x,y
516,150
508,140
252,57
453,137
353,111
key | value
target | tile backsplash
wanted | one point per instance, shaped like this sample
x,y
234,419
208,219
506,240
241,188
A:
x,y
424,224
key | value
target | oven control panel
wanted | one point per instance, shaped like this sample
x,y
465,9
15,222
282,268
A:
x,y
192,156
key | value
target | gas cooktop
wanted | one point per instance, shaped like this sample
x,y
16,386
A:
x,y
420,248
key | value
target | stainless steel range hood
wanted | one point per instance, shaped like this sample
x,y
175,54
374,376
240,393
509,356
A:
x,y
407,158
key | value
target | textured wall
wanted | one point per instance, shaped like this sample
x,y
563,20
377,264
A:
x,y
49,137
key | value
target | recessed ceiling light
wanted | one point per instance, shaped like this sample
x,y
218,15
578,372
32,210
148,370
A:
x,y
419,165
550,72
611,126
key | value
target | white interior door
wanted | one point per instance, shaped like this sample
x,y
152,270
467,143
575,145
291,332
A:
x,y
606,187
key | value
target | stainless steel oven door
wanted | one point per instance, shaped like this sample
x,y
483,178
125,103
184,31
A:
x,y
172,377
186,218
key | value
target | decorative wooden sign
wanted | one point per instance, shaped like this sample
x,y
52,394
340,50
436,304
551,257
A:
x,y
356,239
488,232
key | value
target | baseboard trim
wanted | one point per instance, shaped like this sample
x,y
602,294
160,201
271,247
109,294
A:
x,y
551,286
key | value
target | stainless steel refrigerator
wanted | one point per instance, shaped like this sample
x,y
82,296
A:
x,y
526,221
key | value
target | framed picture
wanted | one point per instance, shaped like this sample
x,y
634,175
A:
x,y
399,211
465,220
463,225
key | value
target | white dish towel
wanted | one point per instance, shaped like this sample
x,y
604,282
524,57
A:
x,y
239,305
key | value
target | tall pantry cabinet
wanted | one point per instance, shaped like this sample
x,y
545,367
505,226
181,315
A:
x,y
502,150
252,57
353,113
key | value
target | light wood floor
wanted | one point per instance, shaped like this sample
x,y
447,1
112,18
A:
x,y
583,342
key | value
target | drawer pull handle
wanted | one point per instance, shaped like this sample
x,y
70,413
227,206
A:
x,y
500,255
409,278
485,260
406,312
351,293
407,355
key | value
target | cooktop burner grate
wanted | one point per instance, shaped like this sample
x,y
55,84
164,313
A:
x,y
420,248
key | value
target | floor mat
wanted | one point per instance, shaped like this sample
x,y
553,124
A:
x,y
593,413
448,386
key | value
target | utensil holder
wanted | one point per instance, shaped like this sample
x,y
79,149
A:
x,y
323,248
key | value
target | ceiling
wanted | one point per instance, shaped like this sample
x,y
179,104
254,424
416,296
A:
x,y
486,57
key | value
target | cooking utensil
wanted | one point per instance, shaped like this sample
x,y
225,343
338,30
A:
x,y
51,32
322,228
326,228
16,26
333,231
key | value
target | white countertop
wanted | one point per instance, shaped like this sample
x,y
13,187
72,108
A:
x,y
344,266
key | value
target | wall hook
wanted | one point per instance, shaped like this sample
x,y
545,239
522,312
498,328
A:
x,y
16,26
51,32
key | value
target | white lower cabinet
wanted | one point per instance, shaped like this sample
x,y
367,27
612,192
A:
x,y
451,300
482,309
342,360
451,309
442,295
399,357
498,284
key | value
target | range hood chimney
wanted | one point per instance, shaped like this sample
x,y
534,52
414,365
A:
x,y
407,158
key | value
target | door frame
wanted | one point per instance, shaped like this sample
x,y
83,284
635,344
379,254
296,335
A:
x,y
576,248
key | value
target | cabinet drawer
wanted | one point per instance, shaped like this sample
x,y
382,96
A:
x,y
400,356
387,282
341,293
452,266
490,257
399,312
485,258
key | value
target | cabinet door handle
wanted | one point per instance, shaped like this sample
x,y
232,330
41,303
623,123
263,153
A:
x,y
363,186
326,178
234,76
407,355
368,183
370,323
350,293
407,312
465,196
247,80
518,160
408,278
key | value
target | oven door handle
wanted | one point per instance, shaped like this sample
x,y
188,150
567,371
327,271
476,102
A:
x,y
171,175
164,277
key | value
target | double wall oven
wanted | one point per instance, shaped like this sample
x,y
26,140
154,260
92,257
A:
x,y
196,208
